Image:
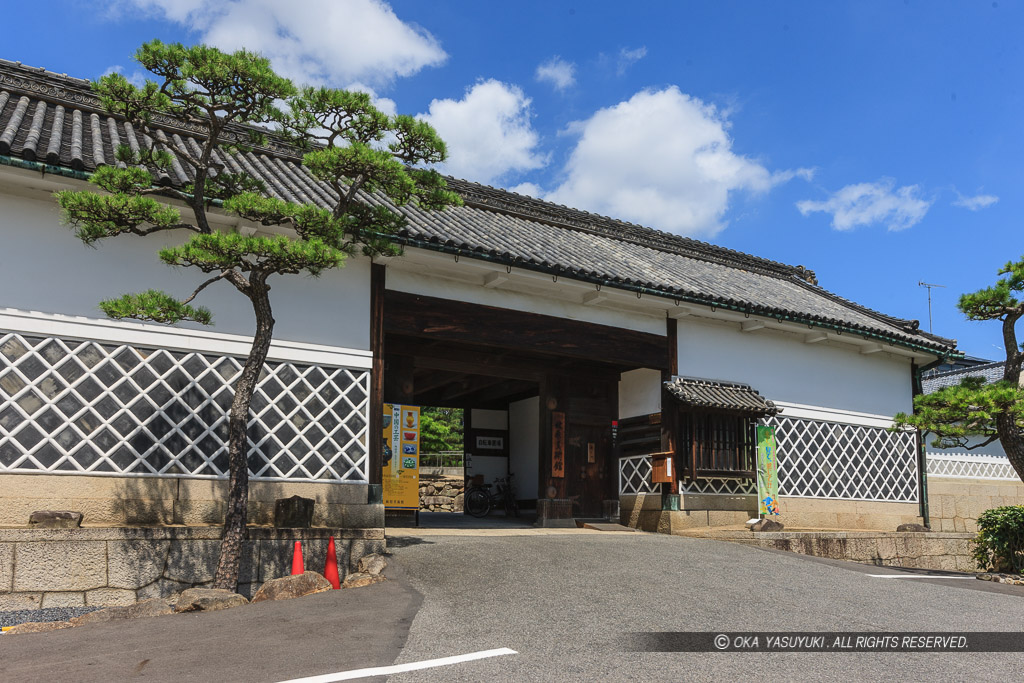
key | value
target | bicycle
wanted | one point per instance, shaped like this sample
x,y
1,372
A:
x,y
479,500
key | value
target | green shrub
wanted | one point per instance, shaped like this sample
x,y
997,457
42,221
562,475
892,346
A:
x,y
999,545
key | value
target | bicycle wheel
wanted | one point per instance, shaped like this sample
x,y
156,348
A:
x,y
477,502
511,507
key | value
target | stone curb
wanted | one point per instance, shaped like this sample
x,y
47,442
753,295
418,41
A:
x,y
1013,579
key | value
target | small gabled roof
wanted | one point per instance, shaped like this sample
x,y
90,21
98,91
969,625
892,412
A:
x,y
55,121
707,394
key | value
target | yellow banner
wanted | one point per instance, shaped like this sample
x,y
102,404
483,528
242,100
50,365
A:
x,y
401,457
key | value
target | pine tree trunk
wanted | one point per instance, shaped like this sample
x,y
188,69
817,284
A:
x,y
238,441
1010,437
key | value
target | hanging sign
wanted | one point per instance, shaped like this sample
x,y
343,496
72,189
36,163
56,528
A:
x,y
401,457
767,472
557,444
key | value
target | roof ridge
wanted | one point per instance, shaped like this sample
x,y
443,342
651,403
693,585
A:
x,y
970,370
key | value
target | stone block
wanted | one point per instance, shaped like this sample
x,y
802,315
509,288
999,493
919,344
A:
x,y
365,516
38,627
296,586
161,588
56,566
959,525
6,567
276,557
192,561
208,600
126,510
110,597
295,512
191,512
134,564
361,548
17,601
55,519
360,579
63,599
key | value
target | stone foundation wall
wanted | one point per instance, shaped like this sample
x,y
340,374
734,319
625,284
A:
x,y
114,501
119,566
643,511
441,493
954,504
930,550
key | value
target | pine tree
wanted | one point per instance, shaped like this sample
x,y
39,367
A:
x,y
972,408
351,146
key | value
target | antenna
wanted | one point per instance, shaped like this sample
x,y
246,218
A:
x,y
922,283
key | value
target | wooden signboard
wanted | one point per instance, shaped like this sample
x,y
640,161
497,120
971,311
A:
x,y
557,444
661,468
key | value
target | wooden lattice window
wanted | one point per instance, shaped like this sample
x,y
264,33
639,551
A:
x,y
716,444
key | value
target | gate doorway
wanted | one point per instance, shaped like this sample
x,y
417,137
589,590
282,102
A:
x,y
540,392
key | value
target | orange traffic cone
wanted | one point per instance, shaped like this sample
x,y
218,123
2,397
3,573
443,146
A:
x,y
331,568
298,566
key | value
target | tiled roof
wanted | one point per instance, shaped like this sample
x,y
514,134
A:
x,y
56,120
715,395
992,372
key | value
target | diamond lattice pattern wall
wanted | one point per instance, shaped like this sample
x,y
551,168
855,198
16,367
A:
x,y
86,407
832,460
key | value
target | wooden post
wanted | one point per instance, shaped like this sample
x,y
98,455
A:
x,y
669,411
376,440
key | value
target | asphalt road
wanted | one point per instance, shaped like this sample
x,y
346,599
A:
x,y
565,603
269,641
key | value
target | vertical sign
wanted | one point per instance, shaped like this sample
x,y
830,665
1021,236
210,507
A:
x,y
767,472
557,444
401,457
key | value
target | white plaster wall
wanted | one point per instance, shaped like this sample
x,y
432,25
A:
x,y
487,465
403,280
488,419
783,368
639,393
44,268
524,446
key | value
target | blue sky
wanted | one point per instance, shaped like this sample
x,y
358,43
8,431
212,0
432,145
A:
x,y
877,143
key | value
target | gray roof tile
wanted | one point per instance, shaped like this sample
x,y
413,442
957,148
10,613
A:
x,y
715,395
992,372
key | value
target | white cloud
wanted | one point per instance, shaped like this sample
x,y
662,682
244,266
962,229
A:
x,y
558,72
310,41
662,159
137,78
628,58
870,203
975,203
529,189
488,132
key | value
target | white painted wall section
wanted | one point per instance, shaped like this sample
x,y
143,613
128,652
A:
x,y
639,393
44,268
488,419
783,368
524,446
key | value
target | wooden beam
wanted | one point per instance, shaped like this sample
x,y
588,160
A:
x,y
591,298
815,337
453,321
672,340
752,325
496,279
375,461
870,348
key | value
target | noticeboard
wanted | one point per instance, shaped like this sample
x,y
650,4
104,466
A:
x,y
401,477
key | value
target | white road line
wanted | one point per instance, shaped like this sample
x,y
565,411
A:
x,y
399,668
915,576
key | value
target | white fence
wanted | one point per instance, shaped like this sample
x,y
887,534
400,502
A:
x,y
968,466
635,475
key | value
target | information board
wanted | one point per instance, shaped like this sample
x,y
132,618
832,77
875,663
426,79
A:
x,y
401,457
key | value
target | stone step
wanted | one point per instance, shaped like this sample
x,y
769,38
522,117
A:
x,y
607,526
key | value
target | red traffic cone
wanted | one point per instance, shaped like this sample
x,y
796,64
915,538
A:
x,y
298,566
331,568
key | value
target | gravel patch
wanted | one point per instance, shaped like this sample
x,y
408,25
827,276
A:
x,y
21,616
